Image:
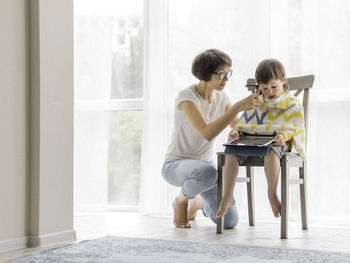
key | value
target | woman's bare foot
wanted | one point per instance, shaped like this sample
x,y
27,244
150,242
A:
x,y
275,204
180,213
225,203
195,205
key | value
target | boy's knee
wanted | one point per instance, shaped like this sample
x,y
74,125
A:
x,y
232,158
271,154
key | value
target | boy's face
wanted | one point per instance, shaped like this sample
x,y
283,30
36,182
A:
x,y
273,89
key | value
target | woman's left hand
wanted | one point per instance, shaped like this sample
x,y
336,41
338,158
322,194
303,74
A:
x,y
279,140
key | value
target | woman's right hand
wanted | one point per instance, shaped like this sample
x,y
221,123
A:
x,y
233,135
248,103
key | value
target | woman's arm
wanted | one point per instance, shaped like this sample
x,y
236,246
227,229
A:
x,y
212,129
234,120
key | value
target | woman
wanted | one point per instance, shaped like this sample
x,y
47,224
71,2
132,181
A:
x,y
202,111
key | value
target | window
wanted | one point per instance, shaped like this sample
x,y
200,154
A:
x,y
108,42
309,37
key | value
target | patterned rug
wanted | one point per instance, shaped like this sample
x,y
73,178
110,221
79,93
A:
x,y
137,250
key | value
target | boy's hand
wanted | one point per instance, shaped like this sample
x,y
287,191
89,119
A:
x,y
279,140
233,135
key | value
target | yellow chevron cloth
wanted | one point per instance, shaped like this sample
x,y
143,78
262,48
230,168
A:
x,y
273,116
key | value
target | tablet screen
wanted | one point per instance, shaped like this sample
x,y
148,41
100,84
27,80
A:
x,y
259,141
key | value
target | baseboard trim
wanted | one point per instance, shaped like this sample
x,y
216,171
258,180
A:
x,y
13,244
51,239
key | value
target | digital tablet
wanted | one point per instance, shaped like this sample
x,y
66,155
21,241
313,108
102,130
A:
x,y
259,141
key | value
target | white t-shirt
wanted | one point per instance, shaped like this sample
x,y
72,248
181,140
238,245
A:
x,y
186,142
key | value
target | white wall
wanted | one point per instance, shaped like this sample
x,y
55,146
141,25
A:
x,y
13,116
36,153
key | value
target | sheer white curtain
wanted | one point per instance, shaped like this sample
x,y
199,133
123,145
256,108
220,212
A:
x,y
314,37
153,190
309,37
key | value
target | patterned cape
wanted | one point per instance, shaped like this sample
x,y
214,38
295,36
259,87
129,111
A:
x,y
273,116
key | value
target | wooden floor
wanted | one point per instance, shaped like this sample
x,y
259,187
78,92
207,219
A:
x,y
94,225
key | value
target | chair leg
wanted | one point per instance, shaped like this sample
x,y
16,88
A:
x,y
303,197
250,195
284,197
220,221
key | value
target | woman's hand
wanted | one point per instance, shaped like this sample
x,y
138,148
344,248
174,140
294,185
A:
x,y
279,140
233,135
248,103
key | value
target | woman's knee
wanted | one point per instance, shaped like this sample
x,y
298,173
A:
x,y
231,218
207,175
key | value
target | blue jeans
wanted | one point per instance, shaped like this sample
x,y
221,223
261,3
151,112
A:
x,y
199,177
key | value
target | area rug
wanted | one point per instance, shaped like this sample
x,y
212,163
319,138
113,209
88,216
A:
x,y
136,250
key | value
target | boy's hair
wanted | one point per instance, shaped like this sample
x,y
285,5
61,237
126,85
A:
x,y
205,63
270,69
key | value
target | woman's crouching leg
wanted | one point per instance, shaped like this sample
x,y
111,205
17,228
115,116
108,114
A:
x,y
210,207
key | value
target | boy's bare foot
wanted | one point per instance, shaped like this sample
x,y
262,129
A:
x,y
180,213
275,204
226,202
195,205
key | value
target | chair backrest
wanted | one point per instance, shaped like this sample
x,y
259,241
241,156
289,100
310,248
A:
x,y
298,84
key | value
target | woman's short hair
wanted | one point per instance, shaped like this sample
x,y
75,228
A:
x,y
269,69
207,62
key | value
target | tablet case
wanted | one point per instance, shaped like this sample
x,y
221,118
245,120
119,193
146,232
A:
x,y
248,150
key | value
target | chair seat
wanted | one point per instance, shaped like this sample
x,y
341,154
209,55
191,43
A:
x,y
293,159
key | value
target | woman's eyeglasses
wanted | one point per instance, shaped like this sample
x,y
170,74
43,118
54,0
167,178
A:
x,y
223,75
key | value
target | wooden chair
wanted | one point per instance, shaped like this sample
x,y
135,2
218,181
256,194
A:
x,y
290,159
